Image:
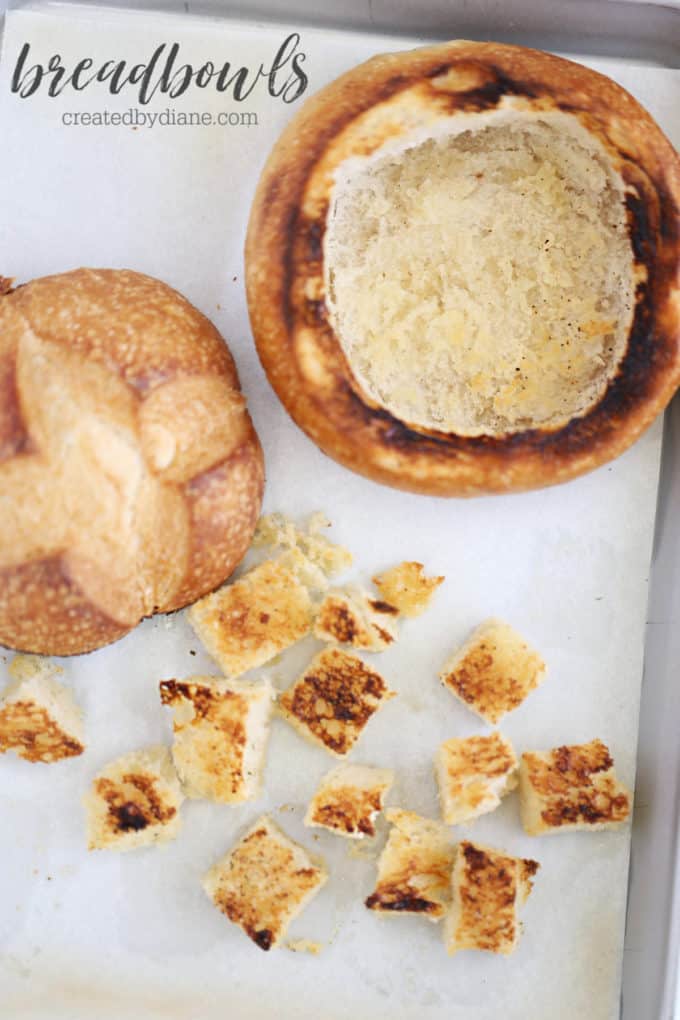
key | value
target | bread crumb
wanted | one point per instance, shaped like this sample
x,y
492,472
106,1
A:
x,y
304,946
406,587
276,529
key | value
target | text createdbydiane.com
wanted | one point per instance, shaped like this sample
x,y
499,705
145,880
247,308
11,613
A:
x,y
283,76
137,118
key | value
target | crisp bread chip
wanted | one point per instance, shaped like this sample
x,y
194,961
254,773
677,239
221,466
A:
x,y
352,617
406,587
221,728
264,882
278,530
473,774
571,788
488,888
247,623
134,802
414,869
494,671
349,799
331,702
39,718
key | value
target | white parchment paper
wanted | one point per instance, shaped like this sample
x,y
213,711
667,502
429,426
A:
x,y
133,936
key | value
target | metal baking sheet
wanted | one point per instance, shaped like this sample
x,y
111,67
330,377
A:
x,y
134,936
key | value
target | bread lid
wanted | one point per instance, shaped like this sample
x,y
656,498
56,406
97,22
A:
x,y
463,269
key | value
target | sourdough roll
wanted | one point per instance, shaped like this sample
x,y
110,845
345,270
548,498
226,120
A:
x,y
463,269
130,473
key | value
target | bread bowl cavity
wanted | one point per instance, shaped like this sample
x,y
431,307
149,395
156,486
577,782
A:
x,y
480,279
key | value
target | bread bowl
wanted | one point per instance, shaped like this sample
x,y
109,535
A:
x,y
130,473
531,346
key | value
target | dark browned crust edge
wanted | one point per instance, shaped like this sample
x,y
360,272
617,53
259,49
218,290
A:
x,y
368,439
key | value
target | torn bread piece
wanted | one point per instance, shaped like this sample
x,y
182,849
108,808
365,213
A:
x,y
331,702
349,799
488,887
39,717
134,802
352,617
406,587
473,774
264,882
494,671
571,788
221,729
278,530
248,622
414,869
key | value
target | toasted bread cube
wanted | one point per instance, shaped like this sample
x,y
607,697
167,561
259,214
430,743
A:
x,y
406,587
349,799
331,702
134,802
571,788
278,530
488,888
473,774
414,869
494,671
353,618
264,882
247,623
221,728
39,717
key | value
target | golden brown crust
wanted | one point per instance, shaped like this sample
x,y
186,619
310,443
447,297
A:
x,y
128,810
29,730
571,788
334,699
406,587
473,774
353,618
263,883
348,810
247,623
494,671
134,802
355,115
168,432
414,869
488,887
220,732
349,799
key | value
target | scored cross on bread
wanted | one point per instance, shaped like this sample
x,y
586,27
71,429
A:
x,y
130,473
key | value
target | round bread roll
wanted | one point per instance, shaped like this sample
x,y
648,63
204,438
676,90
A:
x,y
463,269
131,476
